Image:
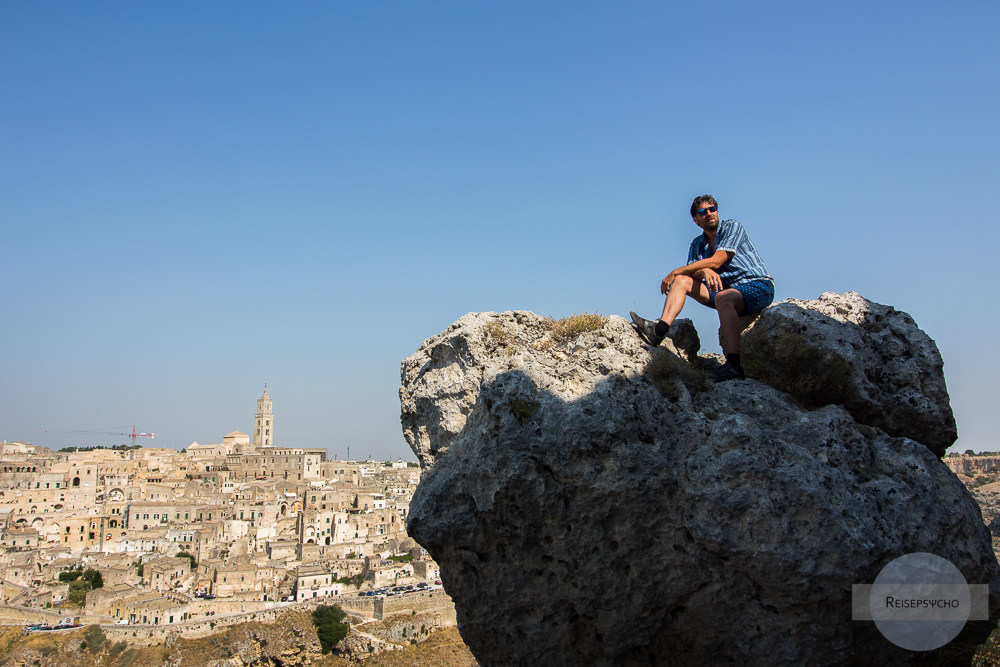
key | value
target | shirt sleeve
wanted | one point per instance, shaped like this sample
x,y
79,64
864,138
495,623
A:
x,y
731,237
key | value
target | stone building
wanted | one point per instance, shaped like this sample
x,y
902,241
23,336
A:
x,y
152,609
239,578
166,573
263,422
316,582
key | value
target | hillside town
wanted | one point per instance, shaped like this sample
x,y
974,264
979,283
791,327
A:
x,y
231,528
981,475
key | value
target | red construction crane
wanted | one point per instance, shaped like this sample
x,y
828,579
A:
x,y
133,435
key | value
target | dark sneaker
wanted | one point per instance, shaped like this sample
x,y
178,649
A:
x,y
646,329
726,371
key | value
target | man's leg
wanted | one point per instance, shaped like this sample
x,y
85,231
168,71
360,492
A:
x,y
731,307
654,331
680,289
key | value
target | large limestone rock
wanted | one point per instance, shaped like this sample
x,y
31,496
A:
x,y
872,359
594,501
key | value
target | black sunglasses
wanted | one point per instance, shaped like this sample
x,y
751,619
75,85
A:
x,y
710,209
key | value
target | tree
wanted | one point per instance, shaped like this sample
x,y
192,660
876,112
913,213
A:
x,y
330,627
93,577
70,575
78,591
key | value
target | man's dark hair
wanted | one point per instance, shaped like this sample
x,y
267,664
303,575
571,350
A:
x,y
699,202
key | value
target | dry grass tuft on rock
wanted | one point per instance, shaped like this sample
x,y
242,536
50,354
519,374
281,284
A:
x,y
570,327
665,368
499,337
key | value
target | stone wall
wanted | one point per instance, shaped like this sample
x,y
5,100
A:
x,y
419,602
10,615
365,606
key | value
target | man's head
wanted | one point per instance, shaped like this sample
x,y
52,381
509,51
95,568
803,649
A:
x,y
705,212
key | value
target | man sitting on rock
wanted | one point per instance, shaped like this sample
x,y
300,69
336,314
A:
x,y
725,272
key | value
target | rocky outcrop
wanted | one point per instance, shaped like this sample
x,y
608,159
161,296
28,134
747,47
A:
x,y
592,500
872,359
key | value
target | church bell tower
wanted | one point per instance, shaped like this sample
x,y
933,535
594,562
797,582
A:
x,y
263,422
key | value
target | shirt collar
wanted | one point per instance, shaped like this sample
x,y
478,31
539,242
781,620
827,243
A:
x,y
704,239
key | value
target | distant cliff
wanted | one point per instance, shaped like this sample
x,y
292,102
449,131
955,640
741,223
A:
x,y
973,465
592,500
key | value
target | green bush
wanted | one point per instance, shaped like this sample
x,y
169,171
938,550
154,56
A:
x,y
330,627
93,577
78,591
95,638
356,580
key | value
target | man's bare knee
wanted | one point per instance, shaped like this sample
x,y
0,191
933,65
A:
x,y
730,298
683,283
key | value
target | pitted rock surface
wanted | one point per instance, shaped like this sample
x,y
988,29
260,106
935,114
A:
x,y
595,501
872,359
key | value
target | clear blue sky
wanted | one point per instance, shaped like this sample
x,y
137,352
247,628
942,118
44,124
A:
x,y
198,198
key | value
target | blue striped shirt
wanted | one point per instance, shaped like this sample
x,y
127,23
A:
x,y
744,266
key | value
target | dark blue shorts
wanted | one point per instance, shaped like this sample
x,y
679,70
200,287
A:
x,y
757,295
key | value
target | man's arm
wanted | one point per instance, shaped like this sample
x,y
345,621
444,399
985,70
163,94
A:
x,y
711,276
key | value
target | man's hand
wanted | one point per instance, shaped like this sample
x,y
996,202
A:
x,y
711,279
666,282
